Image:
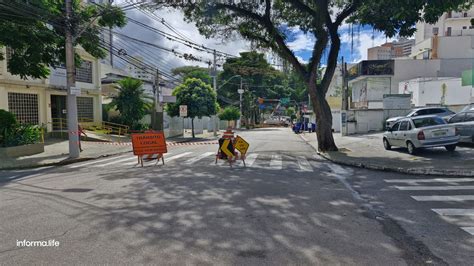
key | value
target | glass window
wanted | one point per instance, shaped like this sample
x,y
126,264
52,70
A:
x,y
404,126
84,72
395,127
428,121
24,106
469,117
85,109
457,118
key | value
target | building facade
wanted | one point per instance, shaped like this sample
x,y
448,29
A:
x,y
391,50
43,101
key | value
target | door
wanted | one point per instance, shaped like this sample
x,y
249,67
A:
x,y
393,135
402,133
58,112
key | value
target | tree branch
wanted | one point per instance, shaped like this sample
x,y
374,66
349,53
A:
x,y
272,31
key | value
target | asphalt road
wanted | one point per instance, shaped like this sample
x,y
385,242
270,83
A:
x,y
288,206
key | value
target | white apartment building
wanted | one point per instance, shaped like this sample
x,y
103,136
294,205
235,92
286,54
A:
x,y
451,37
43,101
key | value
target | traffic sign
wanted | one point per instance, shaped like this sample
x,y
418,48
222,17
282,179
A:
x,y
183,110
227,147
240,91
285,100
241,145
149,144
75,91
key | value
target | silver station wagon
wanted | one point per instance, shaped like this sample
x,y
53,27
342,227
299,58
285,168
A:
x,y
421,132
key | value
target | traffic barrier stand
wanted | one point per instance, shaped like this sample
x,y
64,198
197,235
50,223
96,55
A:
x,y
148,145
226,150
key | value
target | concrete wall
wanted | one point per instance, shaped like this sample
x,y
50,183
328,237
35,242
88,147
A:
x,y
365,121
430,91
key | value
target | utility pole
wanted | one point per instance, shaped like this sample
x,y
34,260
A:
x,y
72,124
214,76
111,40
157,123
241,91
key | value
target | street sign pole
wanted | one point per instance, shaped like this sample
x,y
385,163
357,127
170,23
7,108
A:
x,y
240,91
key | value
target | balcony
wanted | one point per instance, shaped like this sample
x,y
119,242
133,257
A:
x,y
372,68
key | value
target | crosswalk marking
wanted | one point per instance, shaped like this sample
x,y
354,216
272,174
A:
x,y
304,165
435,187
249,160
431,180
470,230
177,156
444,198
200,157
454,212
118,161
276,162
97,161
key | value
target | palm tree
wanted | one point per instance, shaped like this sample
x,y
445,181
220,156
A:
x,y
131,101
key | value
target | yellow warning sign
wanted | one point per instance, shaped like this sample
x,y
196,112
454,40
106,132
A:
x,y
241,145
225,148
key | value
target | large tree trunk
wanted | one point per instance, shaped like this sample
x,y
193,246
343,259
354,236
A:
x,y
323,119
192,127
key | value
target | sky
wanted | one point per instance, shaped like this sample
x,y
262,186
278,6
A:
x,y
353,49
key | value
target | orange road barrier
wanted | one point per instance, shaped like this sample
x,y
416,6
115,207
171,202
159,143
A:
x,y
150,145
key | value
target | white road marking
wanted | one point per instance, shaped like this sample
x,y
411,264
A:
x,y
470,230
97,161
177,156
431,180
304,165
457,212
200,157
435,187
444,198
249,160
118,161
276,162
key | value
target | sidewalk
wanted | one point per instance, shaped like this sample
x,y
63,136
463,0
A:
x,y
56,151
367,151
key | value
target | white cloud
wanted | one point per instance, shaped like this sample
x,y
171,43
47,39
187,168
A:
x,y
301,60
302,42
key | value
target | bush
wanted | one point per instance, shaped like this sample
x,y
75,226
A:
x,y
230,113
22,135
7,121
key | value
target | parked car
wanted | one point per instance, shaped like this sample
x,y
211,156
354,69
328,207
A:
x,y
438,111
464,123
421,132
469,107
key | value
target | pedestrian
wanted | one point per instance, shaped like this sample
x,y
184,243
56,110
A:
x,y
80,132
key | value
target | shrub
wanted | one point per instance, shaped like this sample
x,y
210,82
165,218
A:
x,y
22,135
230,113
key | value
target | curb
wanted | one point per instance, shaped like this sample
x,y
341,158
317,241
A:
x,y
61,163
409,171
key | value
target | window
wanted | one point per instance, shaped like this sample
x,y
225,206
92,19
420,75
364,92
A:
x,y
395,127
428,121
457,118
85,108
404,126
469,117
84,72
24,106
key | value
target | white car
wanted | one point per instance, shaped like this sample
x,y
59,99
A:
x,y
421,132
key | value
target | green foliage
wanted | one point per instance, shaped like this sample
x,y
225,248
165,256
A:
x,y
472,21
21,135
187,72
34,29
291,112
7,121
197,95
131,102
230,113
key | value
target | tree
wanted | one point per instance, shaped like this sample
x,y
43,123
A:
x,y
291,112
34,30
198,96
131,101
193,72
230,113
267,22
